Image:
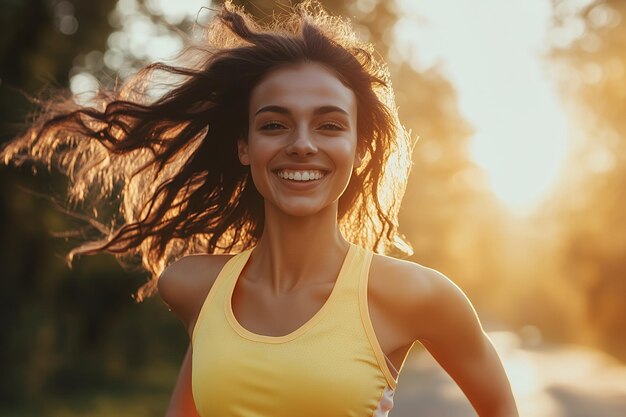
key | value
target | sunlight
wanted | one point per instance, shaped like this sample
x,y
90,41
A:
x,y
547,381
491,51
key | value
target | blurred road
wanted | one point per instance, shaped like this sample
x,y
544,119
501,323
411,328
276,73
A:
x,y
564,381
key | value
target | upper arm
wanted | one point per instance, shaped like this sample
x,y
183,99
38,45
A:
x,y
183,287
182,403
446,323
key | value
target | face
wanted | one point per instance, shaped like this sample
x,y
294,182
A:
x,y
302,139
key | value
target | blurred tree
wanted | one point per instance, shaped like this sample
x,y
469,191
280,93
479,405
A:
x,y
590,207
61,329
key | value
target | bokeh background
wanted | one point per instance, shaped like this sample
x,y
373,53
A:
x,y
517,194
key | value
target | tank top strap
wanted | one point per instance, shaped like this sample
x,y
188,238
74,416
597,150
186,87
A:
x,y
356,264
351,304
238,263
231,269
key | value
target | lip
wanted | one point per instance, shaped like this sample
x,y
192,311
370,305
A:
x,y
302,167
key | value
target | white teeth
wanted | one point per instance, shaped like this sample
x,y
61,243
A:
x,y
300,175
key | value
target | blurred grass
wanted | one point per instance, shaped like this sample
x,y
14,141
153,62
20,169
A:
x,y
129,378
139,396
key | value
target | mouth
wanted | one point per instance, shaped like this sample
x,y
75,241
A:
x,y
305,175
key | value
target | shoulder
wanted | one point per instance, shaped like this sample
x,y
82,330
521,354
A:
x,y
185,283
409,282
426,302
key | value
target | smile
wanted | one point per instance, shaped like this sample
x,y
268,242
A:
x,y
300,175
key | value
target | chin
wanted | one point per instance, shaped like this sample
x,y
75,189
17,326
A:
x,y
300,209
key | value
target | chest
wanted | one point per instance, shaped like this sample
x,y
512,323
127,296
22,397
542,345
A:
x,y
261,312
323,372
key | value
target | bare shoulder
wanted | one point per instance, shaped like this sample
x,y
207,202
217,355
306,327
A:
x,y
185,283
423,298
407,281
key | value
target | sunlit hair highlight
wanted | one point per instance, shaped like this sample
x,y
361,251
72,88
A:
x,y
170,160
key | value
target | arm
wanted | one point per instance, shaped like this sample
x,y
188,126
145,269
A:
x,y
455,338
181,402
183,292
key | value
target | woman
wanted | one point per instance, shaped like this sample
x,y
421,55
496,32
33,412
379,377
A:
x,y
283,146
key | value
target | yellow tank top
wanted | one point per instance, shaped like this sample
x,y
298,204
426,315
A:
x,y
331,366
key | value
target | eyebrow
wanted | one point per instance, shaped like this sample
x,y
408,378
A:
x,y
318,111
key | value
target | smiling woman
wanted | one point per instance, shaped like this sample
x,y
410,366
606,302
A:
x,y
283,149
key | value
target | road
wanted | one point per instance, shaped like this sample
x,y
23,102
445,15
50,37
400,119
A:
x,y
556,381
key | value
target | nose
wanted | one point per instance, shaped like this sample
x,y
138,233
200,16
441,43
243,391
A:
x,y
302,144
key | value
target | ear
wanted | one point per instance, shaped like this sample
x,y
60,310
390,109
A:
x,y
242,151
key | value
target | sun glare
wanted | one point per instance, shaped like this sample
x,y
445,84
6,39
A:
x,y
492,52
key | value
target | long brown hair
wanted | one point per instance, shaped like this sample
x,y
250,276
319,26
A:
x,y
170,160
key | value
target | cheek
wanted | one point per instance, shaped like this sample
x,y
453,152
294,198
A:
x,y
258,152
344,153
260,155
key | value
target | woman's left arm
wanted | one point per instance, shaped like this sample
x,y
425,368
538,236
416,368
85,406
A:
x,y
447,325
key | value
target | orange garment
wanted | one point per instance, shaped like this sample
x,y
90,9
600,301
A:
x,y
331,366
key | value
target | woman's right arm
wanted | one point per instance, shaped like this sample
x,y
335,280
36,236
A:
x,y
181,402
183,287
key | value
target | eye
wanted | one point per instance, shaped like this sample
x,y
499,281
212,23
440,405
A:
x,y
331,126
272,125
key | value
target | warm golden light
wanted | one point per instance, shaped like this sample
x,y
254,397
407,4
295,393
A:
x,y
491,52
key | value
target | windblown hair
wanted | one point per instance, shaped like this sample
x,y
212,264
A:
x,y
171,161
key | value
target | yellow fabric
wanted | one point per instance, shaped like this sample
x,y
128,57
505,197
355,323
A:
x,y
331,366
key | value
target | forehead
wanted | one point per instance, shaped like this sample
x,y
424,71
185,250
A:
x,y
303,86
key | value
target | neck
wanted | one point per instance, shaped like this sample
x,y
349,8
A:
x,y
294,252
